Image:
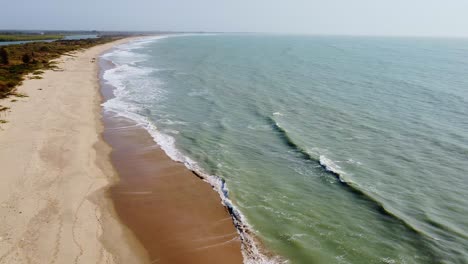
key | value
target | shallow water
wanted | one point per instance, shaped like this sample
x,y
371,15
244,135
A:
x,y
334,149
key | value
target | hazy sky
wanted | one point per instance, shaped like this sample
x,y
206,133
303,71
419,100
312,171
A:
x,y
363,17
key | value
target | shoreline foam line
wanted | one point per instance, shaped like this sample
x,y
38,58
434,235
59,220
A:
x,y
251,250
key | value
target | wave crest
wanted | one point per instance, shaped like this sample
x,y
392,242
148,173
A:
x,y
332,168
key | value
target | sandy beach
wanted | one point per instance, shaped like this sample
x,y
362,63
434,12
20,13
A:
x,y
58,183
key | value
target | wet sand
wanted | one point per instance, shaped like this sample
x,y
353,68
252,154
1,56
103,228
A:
x,y
176,216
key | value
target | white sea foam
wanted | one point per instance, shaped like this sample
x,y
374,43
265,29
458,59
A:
x,y
171,122
171,131
120,77
351,161
200,93
251,252
258,127
331,166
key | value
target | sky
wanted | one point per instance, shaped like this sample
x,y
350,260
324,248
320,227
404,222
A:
x,y
348,17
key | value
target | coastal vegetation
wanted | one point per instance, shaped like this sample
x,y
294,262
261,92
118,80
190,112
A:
x,y
25,37
17,61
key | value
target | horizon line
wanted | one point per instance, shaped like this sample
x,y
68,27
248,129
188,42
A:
x,y
242,32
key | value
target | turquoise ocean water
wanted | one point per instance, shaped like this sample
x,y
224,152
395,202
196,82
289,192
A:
x,y
329,149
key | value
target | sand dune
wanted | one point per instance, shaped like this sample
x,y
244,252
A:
x,y
53,172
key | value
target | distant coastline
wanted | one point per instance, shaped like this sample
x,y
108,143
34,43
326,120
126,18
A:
x,y
5,37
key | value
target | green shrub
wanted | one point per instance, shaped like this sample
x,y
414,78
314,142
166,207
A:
x,y
44,49
4,57
26,58
29,58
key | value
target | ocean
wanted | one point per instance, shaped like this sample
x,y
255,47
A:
x,y
330,149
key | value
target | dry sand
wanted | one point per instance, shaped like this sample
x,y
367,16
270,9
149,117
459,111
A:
x,y
54,169
61,200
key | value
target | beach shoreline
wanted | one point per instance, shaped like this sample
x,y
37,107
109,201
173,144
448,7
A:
x,y
60,200
56,171
158,197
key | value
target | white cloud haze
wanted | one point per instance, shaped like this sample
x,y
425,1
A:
x,y
353,17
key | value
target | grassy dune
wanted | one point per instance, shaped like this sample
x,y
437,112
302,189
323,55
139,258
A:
x,y
23,59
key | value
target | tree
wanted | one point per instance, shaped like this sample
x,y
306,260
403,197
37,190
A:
x,y
26,58
4,57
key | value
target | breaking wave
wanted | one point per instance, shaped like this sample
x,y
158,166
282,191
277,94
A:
x,y
328,166
124,69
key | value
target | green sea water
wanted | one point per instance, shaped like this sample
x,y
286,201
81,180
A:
x,y
332,149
